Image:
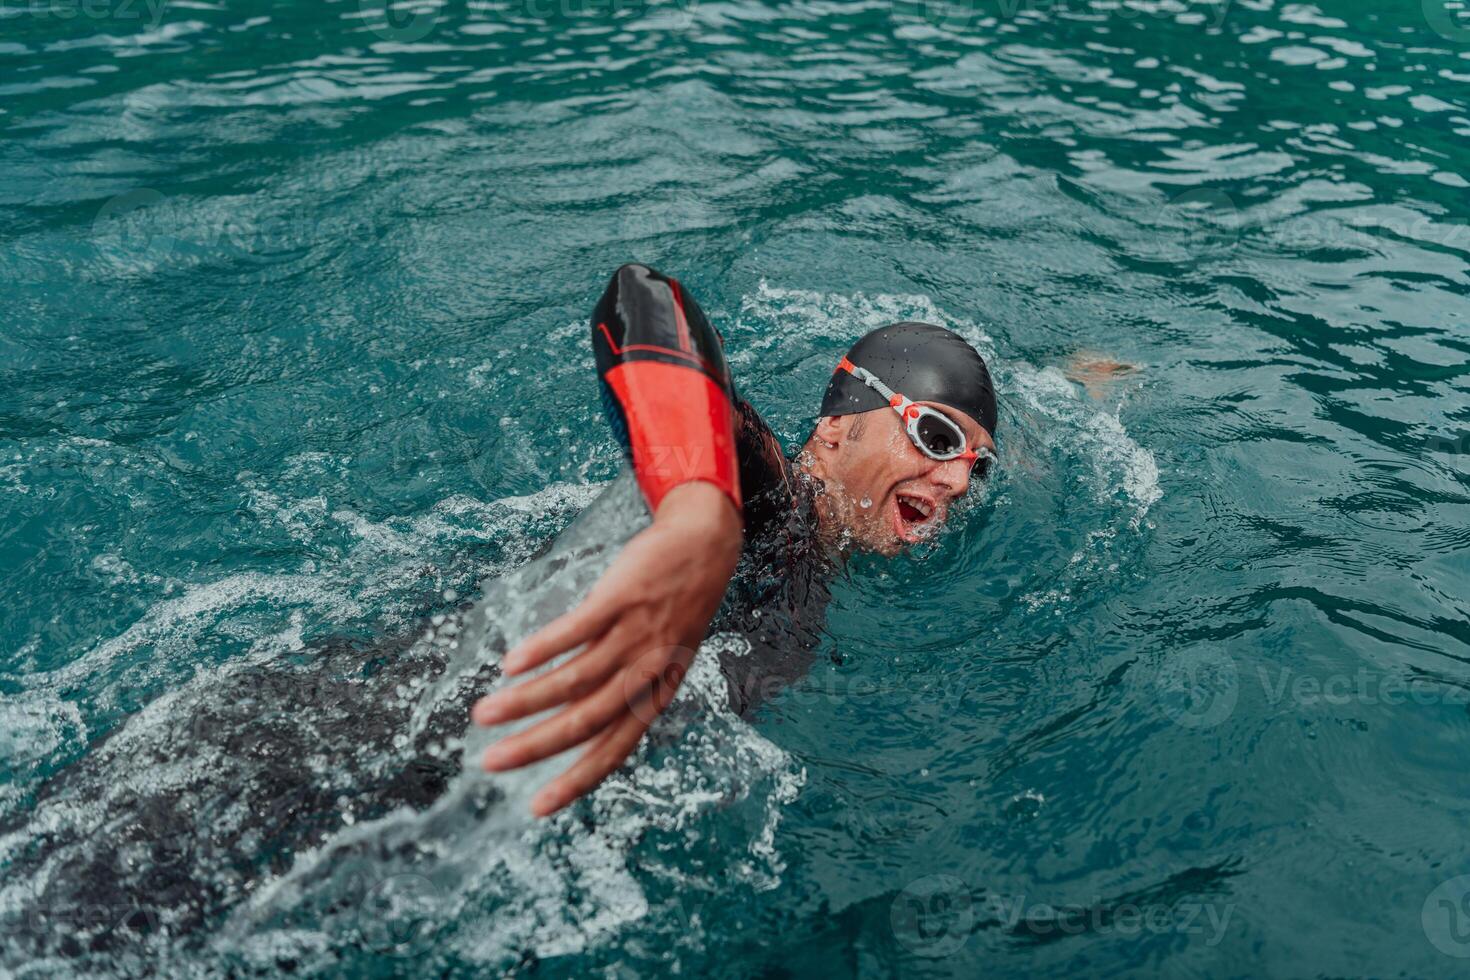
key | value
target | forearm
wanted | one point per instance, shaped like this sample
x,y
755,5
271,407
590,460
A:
x,y
665,384
671,402
639,629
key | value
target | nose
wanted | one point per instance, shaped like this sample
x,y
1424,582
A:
x,y
953,476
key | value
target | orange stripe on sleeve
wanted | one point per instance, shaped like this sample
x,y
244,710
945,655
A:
x,y
680,428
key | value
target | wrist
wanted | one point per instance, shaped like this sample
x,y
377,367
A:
x,y
705,512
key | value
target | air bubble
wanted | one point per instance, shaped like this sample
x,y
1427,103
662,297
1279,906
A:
x,y
1024,805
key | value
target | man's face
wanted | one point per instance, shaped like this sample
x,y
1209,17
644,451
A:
x,y
880,487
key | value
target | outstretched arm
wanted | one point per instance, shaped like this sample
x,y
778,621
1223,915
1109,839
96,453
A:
x,y
669,398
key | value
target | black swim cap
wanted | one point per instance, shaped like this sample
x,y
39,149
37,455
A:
x,y
921,361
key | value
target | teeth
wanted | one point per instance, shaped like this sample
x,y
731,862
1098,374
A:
x,y
919,506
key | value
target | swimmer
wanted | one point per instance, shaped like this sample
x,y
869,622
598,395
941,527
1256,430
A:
x,y
906,426
174,819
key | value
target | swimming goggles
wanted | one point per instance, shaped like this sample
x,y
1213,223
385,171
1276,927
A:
x,y
932,432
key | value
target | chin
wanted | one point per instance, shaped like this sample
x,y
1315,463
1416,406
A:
x,y
873,541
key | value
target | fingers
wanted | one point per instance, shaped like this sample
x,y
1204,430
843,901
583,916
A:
x,y
614,746
596,764
571,726
588,620
576,678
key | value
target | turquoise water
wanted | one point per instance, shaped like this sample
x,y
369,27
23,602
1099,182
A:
x,y
295,348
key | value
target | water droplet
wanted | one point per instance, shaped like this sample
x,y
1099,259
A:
x,y
865,503
450,595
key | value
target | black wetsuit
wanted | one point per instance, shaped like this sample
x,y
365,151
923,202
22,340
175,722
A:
x,y
175,855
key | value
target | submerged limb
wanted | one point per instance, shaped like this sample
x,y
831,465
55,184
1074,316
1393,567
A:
x,y
1098,374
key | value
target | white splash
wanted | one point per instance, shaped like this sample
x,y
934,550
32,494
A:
x,y
512,885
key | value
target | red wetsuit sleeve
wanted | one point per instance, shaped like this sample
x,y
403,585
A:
x,y
665,384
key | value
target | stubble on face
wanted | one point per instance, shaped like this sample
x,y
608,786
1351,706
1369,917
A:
x,y
854,501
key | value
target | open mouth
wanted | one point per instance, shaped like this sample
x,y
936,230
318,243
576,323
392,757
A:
x,y
915,517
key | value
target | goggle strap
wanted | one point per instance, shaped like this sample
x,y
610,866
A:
x,y
868,378
898,402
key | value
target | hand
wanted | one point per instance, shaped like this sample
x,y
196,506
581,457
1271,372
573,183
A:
x,y
641,624
1097,372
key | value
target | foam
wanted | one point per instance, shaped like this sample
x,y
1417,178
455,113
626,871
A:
x,y
568,885
1118,464
475,858
560,887
386,557
810,314
37,726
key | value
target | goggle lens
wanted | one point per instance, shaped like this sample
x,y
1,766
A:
x,y
941,437
935,435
